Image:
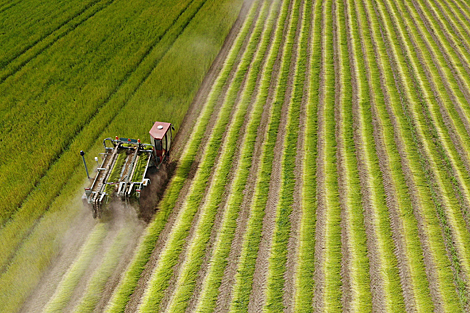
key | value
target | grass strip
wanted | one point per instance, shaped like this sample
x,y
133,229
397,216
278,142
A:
x,y
278,254
129,282
421,173
169,257
138,175
66,287
244,277
195,255
304,283
212,281
413,251
374,181
356,244
102,274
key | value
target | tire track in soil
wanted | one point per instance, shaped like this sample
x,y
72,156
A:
x,y
258,293
431,178
377,284
178,268
222,207
228,280
429,262
196,108
295,218
123,216
398,233
70,247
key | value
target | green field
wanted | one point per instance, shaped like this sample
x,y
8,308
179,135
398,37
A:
x,y
327,168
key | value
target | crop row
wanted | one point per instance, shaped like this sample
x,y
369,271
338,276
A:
x,y
242,287
129,282
133,100
432,229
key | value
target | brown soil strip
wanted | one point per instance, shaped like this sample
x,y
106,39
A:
x,y
398,233
178,268
463,201
319,274
258,294
222,206
430,265
179,143
377,284
70,246
295,218
346,287
225,295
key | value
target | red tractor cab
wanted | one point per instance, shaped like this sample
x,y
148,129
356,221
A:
x,y
161,137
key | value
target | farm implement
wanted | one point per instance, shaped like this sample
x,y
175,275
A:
x,y
125,167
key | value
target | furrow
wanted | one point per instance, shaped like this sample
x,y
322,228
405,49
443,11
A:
x,y
304,276
239,98
161,275
383,260
278,255
355,272
431,216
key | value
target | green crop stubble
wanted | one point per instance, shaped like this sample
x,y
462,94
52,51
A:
x,y
304,284
219,260
70,280
361,300
278,253
194,257
367,84
453,226
244,278
413,252
129,282
419,161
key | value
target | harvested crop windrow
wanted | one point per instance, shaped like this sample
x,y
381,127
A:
x,y
219,260
328,230
242,289
424,206
355,272
447,206
214,194
64,290
278,254
127,286
304,283
163,271
385,280
405,233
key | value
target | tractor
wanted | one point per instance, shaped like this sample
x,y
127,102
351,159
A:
x,y
125,165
